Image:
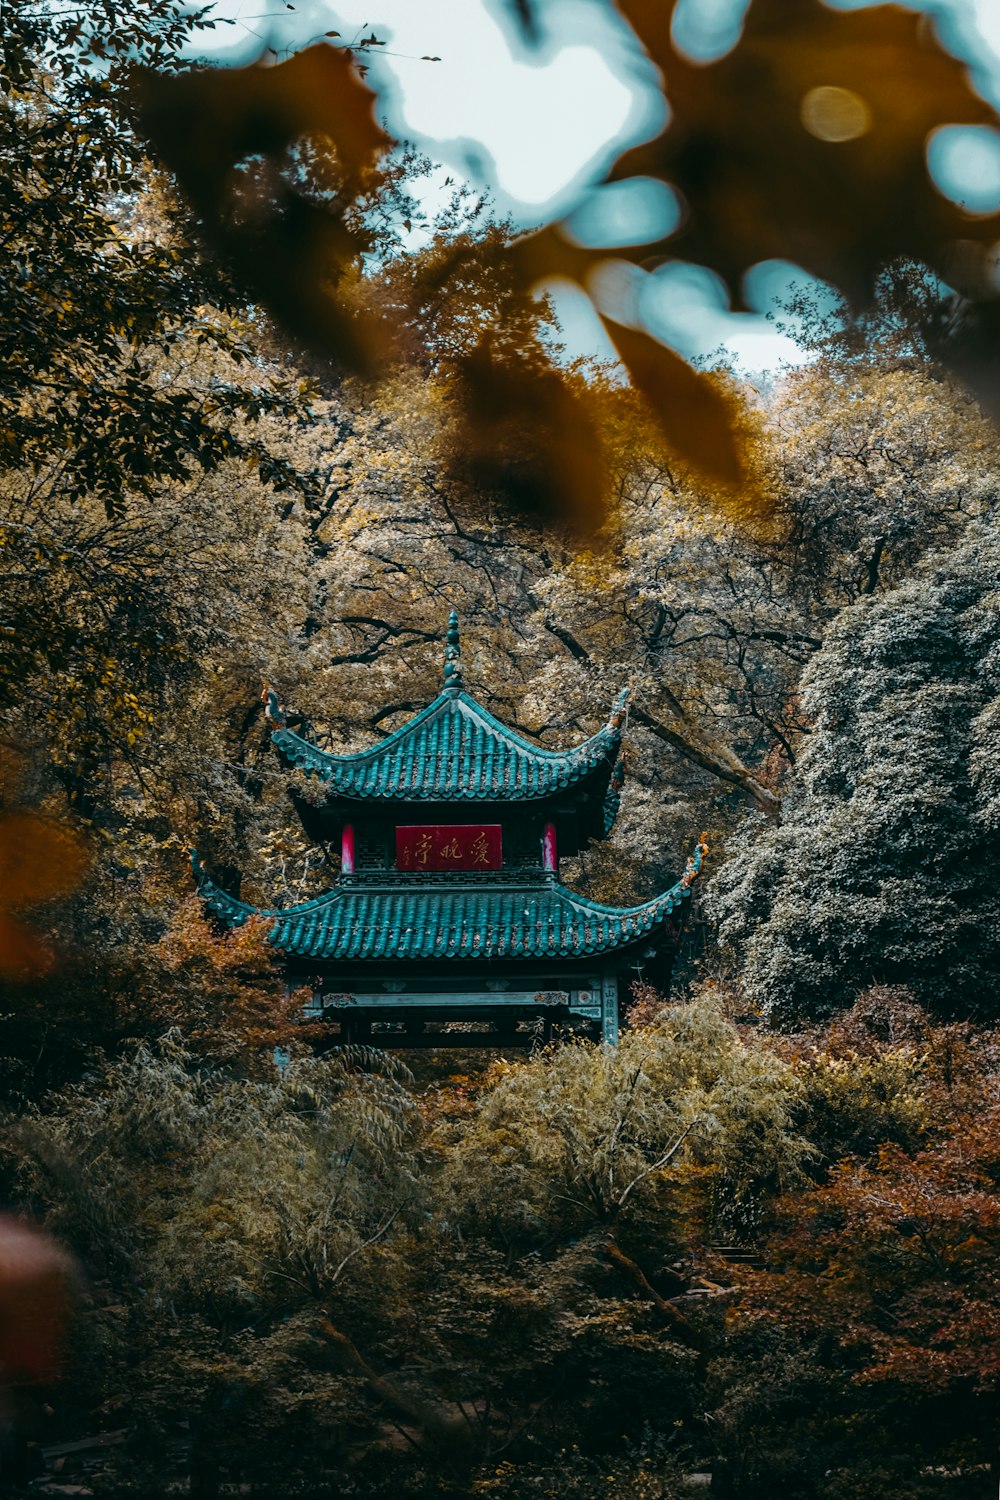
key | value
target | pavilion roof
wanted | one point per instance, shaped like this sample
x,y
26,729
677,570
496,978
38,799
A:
x,y
455,750
429,919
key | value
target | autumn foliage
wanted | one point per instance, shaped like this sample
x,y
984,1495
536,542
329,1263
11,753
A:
x,y
896,1258
492,1264
222,992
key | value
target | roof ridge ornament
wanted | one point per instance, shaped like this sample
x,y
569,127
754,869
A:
x,y
619,714
453,654
694,863
274,711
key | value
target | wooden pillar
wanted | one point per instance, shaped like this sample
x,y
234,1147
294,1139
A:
x,y
609,1010
347,850
357,1030
506,1029
549,850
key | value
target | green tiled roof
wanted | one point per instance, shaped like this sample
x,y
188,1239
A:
x,y
454,750
426,920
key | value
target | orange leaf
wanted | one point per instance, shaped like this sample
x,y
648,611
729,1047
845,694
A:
x,y
547,252
529,440
208,120
39,859
290,247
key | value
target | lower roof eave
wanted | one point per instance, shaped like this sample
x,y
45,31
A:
x,y
423,970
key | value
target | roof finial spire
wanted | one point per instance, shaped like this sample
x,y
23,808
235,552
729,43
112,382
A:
x,y
453,654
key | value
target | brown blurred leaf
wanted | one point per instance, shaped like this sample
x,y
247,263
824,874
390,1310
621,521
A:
x,y
23,954
692,412
36,1291
289,248
807,142
212,118
528,439
39,860
694,415
548,253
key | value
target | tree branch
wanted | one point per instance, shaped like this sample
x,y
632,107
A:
x,y
718,760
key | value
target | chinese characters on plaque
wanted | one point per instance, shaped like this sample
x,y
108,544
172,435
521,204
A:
x,y
449,846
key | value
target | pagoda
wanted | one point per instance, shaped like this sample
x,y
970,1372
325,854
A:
x,y
448,905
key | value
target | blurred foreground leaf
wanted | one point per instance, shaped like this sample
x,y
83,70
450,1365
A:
x,y
807,142
39,860
36,1288
528,439
287,244
211,119
692,411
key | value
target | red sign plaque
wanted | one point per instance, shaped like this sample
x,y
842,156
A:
x,y
449,846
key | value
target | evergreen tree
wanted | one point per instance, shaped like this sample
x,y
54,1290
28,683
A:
x,y
886,867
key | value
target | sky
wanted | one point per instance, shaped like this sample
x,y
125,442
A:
x,y
535,125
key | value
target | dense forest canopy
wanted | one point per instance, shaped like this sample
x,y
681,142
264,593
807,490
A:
x,y
755,1245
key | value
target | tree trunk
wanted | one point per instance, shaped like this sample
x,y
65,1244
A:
x,y
680,1326
450,1434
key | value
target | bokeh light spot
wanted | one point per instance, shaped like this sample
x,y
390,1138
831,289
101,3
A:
x,y
835,114
635,212
964,163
